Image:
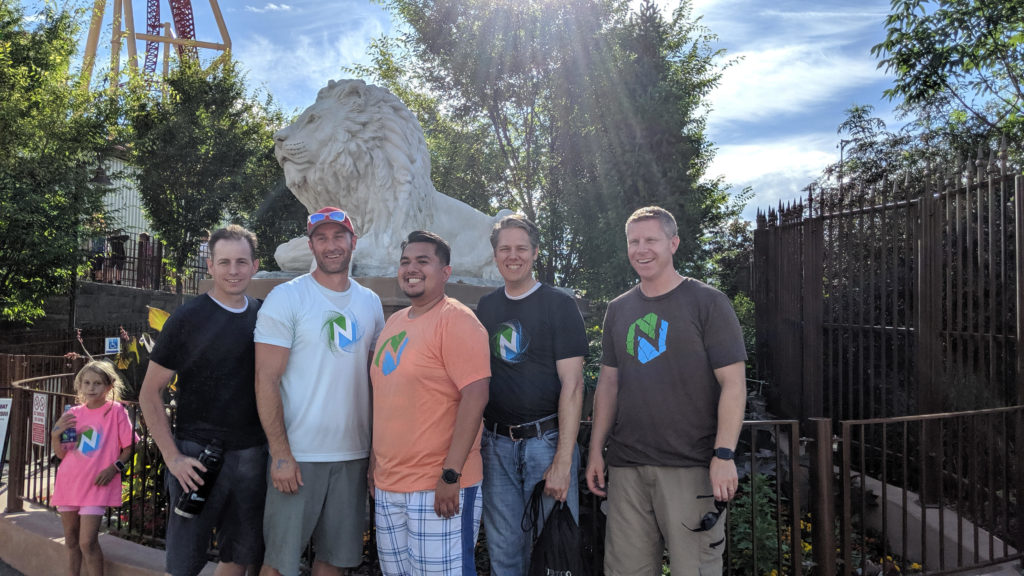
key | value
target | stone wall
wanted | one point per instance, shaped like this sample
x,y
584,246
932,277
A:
x,y
98,303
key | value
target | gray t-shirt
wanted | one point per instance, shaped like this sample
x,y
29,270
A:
x,y
666,349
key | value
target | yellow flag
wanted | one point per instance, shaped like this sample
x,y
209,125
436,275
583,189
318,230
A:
x,y
157,317
133,347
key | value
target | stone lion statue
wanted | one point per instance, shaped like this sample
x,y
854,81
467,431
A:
x,y
359,148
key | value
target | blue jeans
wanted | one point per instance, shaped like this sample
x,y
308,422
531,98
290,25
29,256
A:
x,y
511,470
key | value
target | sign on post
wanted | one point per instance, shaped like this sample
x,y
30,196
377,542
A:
x,y
39,419
5,417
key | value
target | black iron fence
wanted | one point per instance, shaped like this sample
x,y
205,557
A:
x,y
766,529
900,299
140,260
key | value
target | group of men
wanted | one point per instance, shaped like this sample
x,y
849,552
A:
x,y
444,416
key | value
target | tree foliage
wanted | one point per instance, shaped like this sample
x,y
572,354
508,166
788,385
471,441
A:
x,y
573,112
203,151
50,138
960,59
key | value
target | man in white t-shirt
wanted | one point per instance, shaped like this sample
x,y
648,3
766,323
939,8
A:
x,y
314,337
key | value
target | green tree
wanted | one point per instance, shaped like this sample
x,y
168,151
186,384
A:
x,y
50,138
203,152
630,120
577,112
960,59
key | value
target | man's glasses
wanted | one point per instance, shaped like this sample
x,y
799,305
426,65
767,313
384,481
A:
x,y
708,521
337,216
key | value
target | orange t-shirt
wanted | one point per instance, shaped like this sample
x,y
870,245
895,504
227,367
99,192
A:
x,y
419,368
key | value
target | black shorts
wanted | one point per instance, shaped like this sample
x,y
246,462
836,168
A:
x,y
234,508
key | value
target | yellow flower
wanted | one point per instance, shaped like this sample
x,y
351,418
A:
x,y
915,566
806,547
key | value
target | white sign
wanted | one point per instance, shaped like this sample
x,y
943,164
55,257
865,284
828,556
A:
x,y
39,419
113,346
5,417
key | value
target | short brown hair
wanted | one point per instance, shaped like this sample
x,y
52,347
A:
x,y
441,248
667,220
516,221
233,232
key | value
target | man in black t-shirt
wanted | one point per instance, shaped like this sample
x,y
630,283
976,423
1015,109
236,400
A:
x,y
537,342
669,402
208,342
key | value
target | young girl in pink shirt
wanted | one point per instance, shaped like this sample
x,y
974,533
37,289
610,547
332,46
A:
x,y
89,476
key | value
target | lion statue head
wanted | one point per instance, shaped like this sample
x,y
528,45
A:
x,y
360,148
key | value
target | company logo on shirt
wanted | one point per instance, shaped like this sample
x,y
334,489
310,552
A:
x,y
509,342
88,441
391,353
649,348
341,331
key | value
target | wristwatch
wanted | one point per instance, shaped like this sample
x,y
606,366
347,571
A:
x,y
450,476
724,454
121,466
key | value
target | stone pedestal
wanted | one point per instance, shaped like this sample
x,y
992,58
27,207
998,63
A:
x,y
386,287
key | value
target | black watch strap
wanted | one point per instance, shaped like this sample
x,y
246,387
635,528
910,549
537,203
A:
x,y
724,454
450,476
120,465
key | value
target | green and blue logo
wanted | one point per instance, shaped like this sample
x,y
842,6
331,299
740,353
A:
x,y
649,348
391,352
341,331
509,342
88,441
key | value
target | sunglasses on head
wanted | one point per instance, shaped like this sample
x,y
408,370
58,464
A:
x,y
708,521
337,216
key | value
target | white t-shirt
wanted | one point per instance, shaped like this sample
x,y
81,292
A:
x,y
325,388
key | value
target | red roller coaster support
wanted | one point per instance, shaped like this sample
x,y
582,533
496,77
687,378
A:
x,y
184,26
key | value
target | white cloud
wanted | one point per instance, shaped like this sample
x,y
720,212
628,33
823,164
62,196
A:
x,y
269,7
294,68
786,80
777,170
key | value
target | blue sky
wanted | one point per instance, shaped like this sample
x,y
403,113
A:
x,y
773,117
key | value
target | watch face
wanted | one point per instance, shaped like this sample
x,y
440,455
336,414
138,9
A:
x,y
450,476
119,465
723,454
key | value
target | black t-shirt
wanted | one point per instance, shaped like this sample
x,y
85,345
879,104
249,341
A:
x,y
212,351
666,350
527,337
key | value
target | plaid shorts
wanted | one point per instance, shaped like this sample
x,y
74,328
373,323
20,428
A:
x,y
412,539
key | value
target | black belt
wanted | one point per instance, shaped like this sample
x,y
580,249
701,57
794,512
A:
x,y
522,431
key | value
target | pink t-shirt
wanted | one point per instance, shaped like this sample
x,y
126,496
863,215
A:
x,y
102,433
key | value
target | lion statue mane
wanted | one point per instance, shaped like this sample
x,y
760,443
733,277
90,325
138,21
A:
x,y
358,147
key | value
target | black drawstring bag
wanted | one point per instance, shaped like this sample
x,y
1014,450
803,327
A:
x,y
558,551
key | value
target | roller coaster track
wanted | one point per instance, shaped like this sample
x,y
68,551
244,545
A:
x,y
184,28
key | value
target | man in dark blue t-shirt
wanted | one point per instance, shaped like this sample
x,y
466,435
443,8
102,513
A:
x,y
537,342
208,342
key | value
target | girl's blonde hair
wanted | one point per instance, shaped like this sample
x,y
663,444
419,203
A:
x,y
107,371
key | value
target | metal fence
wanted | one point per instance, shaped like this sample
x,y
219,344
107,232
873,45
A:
x,y
763,523
943,489
896,300
140,260
57,343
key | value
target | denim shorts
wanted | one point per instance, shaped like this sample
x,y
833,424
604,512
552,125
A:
x,y
234,508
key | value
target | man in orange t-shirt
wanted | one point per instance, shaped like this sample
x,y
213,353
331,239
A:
x,y
430,385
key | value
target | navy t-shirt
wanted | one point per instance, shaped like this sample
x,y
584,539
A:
x,y
527,337
212,351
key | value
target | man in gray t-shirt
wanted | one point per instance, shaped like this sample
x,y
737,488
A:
x,y
668,408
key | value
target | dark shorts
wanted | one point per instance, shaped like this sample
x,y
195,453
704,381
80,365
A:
x,y
234,508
